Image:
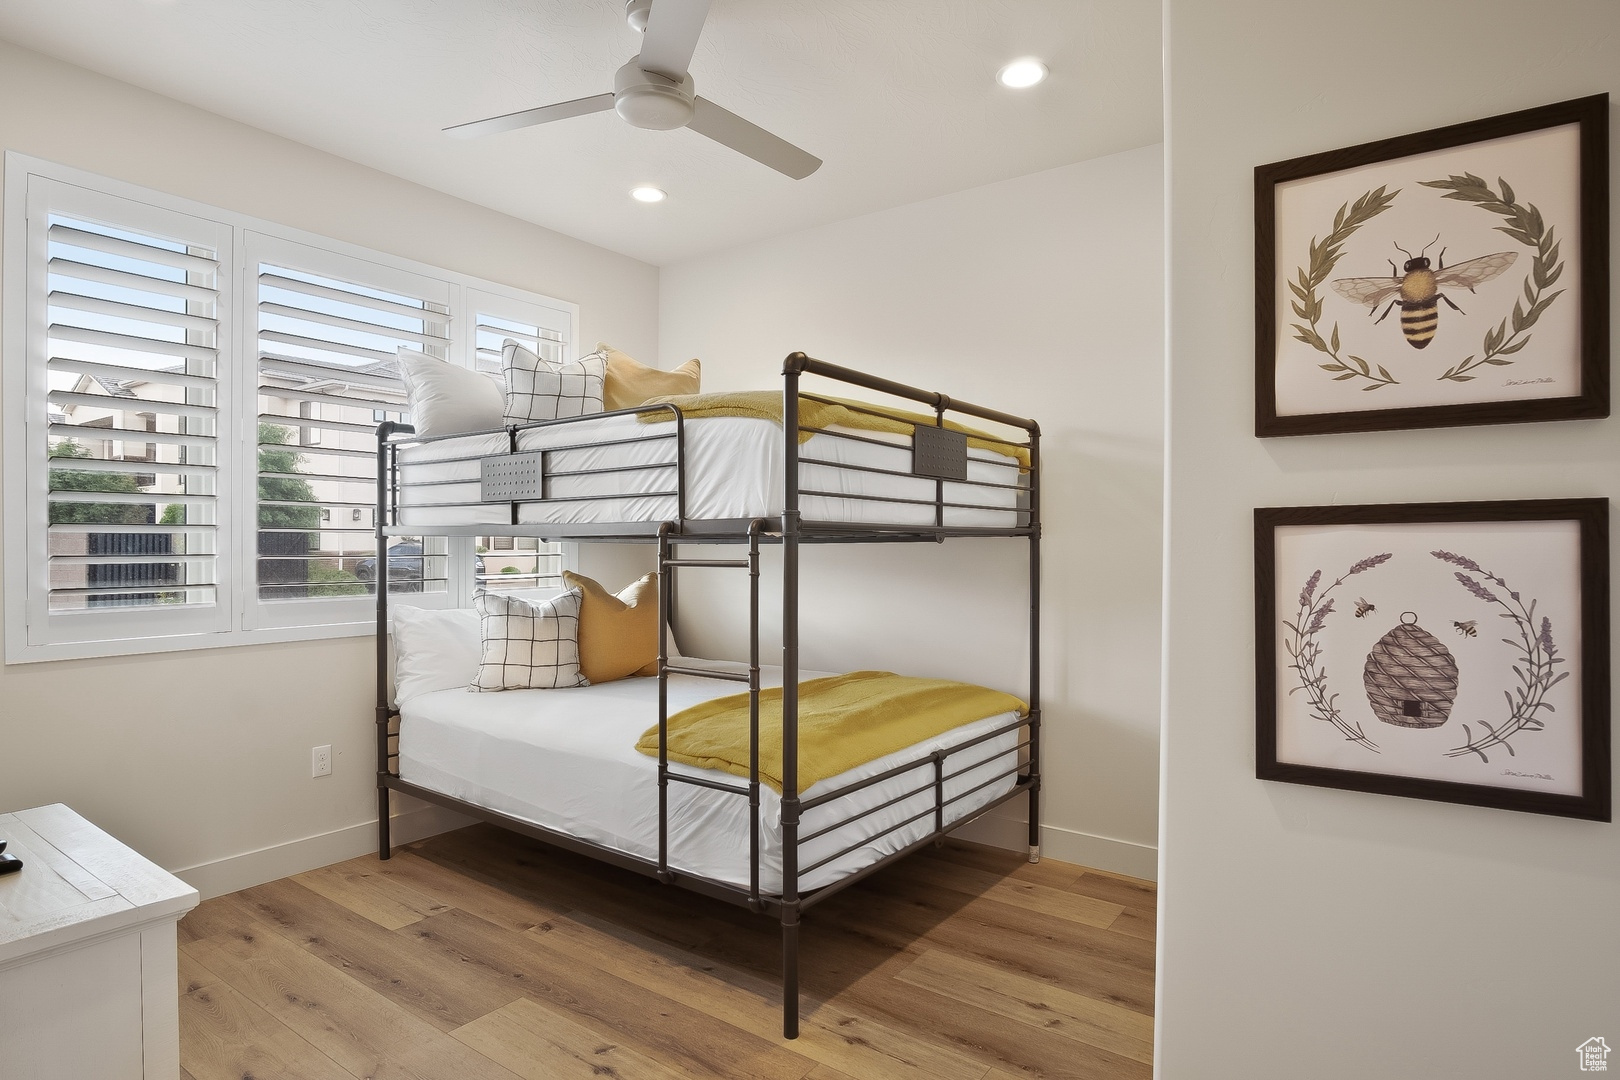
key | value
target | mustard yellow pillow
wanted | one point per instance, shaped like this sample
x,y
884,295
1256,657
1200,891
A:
x,y
618,635
629,383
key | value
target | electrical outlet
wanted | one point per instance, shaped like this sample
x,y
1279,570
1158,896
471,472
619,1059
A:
x,y
320,761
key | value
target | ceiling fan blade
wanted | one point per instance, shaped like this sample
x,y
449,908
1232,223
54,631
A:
x,y
529,117
671,38
729,129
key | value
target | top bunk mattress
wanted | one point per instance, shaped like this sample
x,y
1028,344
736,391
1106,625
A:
x,y
618,469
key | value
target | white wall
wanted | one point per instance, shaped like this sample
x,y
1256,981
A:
x,y
195,758
1039,296
1309,932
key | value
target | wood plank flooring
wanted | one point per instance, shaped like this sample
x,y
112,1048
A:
x,y
482,955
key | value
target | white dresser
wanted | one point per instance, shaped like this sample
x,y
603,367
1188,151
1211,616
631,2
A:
x,y
88,981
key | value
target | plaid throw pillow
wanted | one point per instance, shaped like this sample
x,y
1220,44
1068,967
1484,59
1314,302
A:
x,y
528,644
537,389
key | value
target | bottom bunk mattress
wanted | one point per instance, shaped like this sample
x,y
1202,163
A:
x,y
566,760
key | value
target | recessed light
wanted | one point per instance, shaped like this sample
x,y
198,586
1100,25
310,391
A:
x,y
648,194
1021,73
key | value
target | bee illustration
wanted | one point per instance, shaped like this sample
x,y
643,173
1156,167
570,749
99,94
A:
x,y
1363,608
1417,290
1467,629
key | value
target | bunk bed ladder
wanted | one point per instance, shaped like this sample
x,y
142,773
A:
x,y
668,564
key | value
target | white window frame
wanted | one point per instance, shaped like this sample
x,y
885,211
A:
x,y
237,618
26,386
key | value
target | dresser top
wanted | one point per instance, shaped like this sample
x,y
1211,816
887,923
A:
x,y
76,883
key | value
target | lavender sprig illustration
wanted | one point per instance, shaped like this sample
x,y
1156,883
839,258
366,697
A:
x,y
1305,650
1537,671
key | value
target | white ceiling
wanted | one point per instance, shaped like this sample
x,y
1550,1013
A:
x,y
897,96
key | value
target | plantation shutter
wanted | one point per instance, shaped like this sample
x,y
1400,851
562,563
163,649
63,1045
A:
x,y
193,396
124,426
328,334
547,342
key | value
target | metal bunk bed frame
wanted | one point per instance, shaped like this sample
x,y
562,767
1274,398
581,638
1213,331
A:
x,y
790,531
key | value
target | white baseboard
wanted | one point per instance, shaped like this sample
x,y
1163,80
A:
x,y
1069,845
251,868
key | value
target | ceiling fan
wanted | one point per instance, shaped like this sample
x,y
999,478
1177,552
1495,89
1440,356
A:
x,y
655,91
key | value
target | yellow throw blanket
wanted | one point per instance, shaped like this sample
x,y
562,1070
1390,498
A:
x,y
844,721
817,413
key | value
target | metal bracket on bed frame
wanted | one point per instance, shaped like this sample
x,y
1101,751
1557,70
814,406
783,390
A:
x,y
512,477
938,452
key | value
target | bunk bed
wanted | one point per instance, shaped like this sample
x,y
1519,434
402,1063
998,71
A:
x,y
674,476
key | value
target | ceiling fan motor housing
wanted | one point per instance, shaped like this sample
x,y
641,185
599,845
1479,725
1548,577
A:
x,y
648,100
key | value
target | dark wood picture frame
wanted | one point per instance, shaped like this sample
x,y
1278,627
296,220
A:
x,y
1590,285
1272,652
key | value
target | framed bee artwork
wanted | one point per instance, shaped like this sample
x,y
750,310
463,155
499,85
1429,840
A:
x,y
1454,276
1449,651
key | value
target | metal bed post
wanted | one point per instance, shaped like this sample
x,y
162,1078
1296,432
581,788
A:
x,y
755,527
665,573
385,712
790,695
939,484
1034,643
512,448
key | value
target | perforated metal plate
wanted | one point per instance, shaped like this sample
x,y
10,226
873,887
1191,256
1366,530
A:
x,y
939,452
511,478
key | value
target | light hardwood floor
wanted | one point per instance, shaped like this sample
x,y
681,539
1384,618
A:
x,y
480,954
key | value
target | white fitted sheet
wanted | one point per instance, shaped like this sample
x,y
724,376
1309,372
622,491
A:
x,y
566,759
733,469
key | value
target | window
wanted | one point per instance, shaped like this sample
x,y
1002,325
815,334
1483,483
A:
x,y
125,306
506,562
546,342
328,331
517,562
199,398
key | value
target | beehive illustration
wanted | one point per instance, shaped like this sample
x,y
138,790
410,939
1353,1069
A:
x,y
1411,678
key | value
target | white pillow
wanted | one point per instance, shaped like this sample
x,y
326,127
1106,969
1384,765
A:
x,y
433,650
441,649
446,399
528,644
537,389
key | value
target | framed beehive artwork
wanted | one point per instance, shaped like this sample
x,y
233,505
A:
x,y
1453,276
1448,651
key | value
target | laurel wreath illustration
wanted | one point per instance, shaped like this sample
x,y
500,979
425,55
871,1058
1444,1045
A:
x,y
1305,651
1538,656
1324,256
1524,224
